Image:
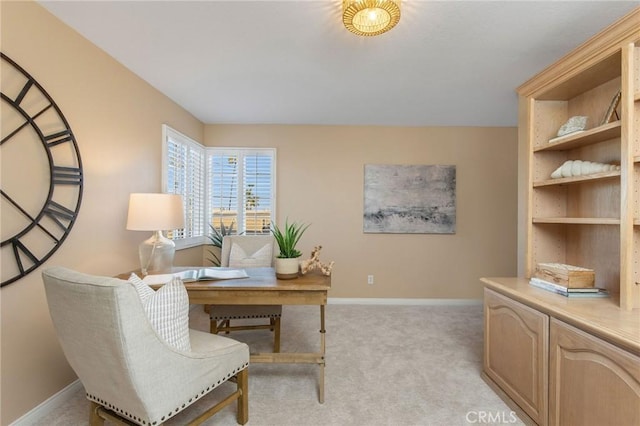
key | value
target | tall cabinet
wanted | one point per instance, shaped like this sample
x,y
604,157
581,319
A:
x,y
580,357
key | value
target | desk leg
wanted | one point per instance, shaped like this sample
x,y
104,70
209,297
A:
x,y
322,354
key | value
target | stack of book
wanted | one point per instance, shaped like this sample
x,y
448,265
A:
x,y
568,292
567,280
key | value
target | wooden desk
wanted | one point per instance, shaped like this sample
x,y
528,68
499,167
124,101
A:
x,y
263,288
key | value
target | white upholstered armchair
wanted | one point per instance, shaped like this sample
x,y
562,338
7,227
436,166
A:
x,y
247,251
128,370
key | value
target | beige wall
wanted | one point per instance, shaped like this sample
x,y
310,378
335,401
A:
x,y
117,120
320,181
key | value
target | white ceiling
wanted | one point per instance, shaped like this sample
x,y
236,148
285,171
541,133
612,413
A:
x,y
447,63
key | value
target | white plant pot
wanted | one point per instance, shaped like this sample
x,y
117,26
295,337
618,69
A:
x,y
287,268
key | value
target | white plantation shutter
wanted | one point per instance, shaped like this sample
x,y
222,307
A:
x,y
194,198
258,192
183,173
241,188
223,176
219,186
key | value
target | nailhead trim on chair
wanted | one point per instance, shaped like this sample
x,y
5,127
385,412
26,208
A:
x,y
171,413
213,317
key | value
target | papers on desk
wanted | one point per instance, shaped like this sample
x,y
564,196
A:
x,y
200,274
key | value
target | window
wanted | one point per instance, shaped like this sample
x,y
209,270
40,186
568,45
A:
x,y
183,173
240,186
219,185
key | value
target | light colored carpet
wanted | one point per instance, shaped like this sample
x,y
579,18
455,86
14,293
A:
x,y
386,365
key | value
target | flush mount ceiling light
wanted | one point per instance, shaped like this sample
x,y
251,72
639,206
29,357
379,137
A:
x,y
370,17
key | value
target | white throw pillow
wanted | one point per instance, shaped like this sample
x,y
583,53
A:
x,y
238,258
144,291
167,310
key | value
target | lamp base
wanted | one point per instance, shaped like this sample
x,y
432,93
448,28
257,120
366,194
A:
x,y
156,254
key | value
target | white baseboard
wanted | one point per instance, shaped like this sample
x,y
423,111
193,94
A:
x,y
42,411
394,301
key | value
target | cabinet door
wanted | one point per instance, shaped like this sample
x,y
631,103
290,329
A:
x,y
591,381
515,352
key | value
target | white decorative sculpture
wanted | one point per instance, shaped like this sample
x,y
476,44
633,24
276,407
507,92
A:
x,y
574,124
314,263
572,168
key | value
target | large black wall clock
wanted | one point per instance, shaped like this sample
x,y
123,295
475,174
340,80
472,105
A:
x,y
41,182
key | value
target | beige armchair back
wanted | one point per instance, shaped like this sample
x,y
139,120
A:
x,y
251,246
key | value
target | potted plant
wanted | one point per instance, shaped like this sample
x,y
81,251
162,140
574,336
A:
x,y
216,237
287,264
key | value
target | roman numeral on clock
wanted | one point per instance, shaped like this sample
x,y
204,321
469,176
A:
x,y
57,212
66,175
18,248
58,138
23,92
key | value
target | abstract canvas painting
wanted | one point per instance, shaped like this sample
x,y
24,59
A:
x,y
409,199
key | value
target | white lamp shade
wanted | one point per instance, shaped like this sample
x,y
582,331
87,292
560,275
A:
x,y
155,212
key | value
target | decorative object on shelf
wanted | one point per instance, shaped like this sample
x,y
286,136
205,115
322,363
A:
x,y
568,276
409,199
156,212
567,280
370,17
314,263
42,177
575,124
573,168
287,263
611,111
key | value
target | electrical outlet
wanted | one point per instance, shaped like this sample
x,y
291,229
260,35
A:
x,y
369,279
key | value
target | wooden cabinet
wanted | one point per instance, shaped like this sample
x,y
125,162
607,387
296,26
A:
x,y
587,219
515,352
591,382
561,361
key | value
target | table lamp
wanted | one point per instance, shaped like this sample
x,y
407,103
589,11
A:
x,y
157,213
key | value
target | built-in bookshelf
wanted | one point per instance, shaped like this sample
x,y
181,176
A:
x,y
540,346
588,220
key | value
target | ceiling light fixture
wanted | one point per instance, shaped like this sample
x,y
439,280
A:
x,y
370,17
